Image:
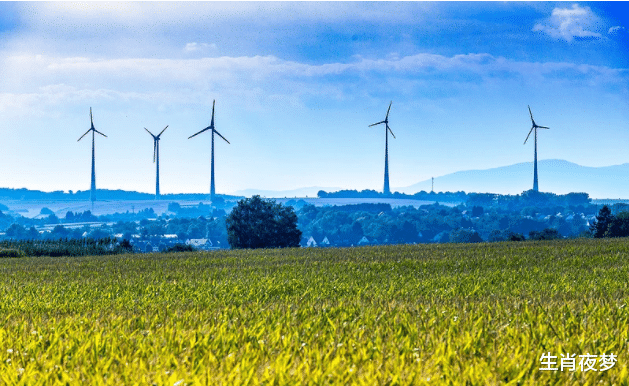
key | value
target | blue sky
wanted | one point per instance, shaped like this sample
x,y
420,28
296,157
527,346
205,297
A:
x,y
297,84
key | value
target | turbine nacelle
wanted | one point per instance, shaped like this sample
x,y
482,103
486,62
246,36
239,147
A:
x,y
155,140
534,127
386,121
91,128
210,127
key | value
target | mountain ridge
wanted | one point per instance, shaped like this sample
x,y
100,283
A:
x,y
555,175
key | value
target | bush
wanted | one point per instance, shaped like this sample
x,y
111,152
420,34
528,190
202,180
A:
x,y
505,235
463,235
546,234
516,237
11,253
180,248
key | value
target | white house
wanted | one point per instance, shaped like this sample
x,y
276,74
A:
x,y
364,240
199,243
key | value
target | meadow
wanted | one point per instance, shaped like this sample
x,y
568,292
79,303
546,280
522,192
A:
x,y
478,314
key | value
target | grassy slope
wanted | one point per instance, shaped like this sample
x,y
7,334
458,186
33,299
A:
x,y
374,315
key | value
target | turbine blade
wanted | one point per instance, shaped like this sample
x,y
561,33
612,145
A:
x,y
212,123
376,123
207,128
387,117
100,133
147,130
83,135
527,137
532,120
91,118
162,131
219,134
543,127
388,128
154,149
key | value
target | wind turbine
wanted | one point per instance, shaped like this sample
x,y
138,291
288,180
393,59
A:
x,y
156,158
211,127
93,130
387,130
535,127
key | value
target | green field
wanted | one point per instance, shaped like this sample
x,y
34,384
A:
x,y
429,314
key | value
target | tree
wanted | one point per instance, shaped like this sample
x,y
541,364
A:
x,y
52,219
69,216
98,234
259,223
602,222
174,207
126,246
619,226
60,232
16,231
46,211
477,211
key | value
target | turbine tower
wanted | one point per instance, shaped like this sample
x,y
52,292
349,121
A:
x,y
535,127
93,186
211,127
156,158
387,130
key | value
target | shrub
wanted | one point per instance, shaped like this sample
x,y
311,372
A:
x,y
180,248
516,237
546,234
463,235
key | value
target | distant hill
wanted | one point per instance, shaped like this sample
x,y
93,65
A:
x,y
556,176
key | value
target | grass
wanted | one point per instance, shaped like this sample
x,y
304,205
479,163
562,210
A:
x,y
431,314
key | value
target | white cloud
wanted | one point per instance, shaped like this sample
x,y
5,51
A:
x,y
615,30
568,23
194,46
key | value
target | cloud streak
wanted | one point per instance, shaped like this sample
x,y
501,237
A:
x,y
195,47
75,78
271,67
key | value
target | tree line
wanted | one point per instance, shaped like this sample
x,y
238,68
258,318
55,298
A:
x,y
257,222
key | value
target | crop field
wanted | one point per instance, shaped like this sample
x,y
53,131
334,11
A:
x,y
429,314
